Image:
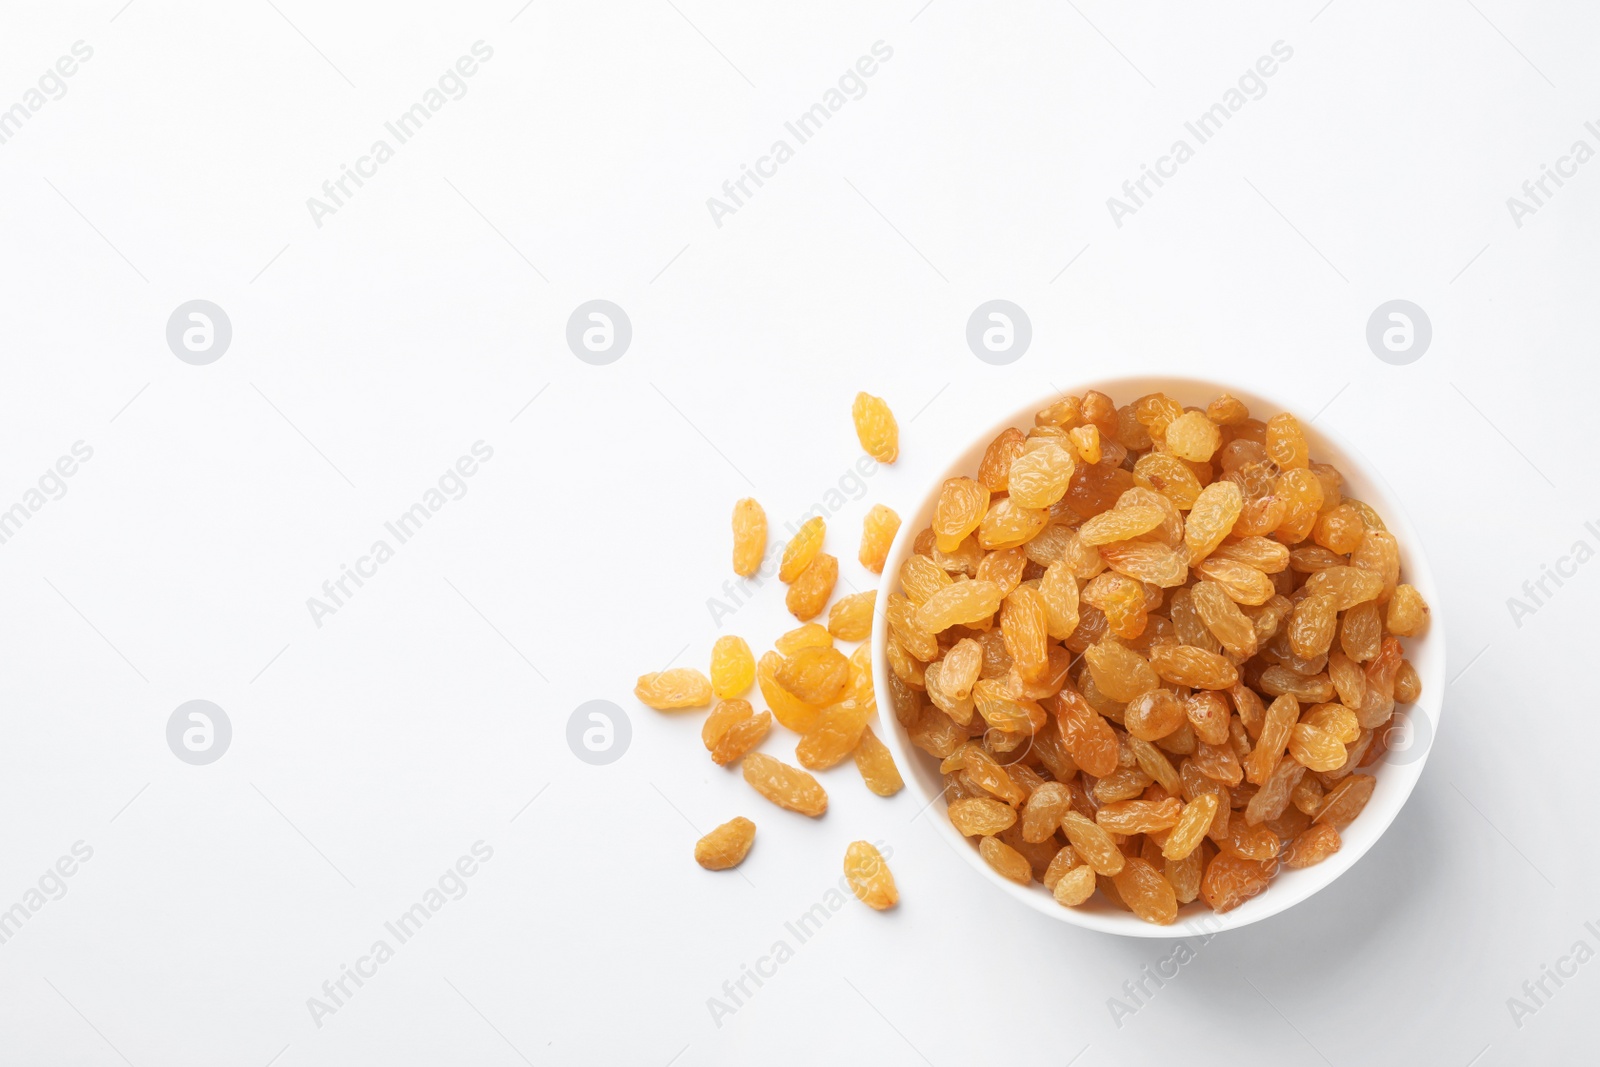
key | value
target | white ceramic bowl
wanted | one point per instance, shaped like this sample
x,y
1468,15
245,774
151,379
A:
x,y
1396,772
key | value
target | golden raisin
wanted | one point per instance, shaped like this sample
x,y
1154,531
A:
x,y
733,668
786,786
749,537
850,618
802,549
876,429
726,846
810,592
680,687
869,876
877,534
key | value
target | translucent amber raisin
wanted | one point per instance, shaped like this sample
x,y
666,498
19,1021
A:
x,y
1120,672
834,737
1040,476
1231,880
726,846
1344,801
850,618
787,708
869,876
680,687
1006,861
802,549
876,429
1085,734
877,534
958,605
1153,714
1146,892
1408,612
1345,586
1313,624
749,537
995,470
810,592
876,765
960,508
1407,684
786,786
1193,436
1212,519
1008,524
1094,845
1286,442
1193,667
733,668
1313,846
732,730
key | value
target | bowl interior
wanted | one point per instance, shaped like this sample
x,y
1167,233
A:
x,y
1396,773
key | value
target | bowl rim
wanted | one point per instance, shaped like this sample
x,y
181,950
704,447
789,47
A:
x,y
1395,783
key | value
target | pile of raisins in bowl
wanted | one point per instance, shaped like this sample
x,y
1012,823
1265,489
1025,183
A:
x,y
1150,647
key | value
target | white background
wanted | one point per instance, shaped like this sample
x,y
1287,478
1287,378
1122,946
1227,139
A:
x,y
368,354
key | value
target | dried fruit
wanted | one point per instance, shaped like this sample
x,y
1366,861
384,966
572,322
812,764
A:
x,y
786,786
1215,512
732,730
960,508
1407,684
958,605
877,534
805,635
995,470
850,618
749,537
733,668
876,765
1121,524
1193,667
1154,714
810,592
1195,562
815,675
1230,881
1006,861
876,429
1147,894
1008,524
1408,612
1191,827
1040,476
1120,672
726,846
1344,801
1312,626
1092,843
1193,436
1281,716
1286,443
802,548
794,713
1138,816
980,816
1345,586
1075,886
680,687
869,876
835,735
1041,816
1242,582
1313,846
